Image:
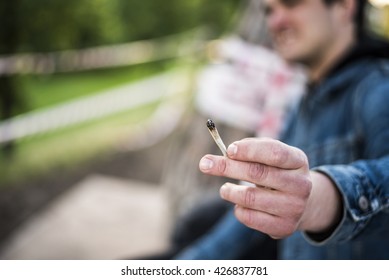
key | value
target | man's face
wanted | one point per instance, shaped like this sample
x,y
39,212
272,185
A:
x,y
302,30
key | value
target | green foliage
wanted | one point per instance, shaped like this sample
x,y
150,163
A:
x,y
45,25
54,25
51,25
148,19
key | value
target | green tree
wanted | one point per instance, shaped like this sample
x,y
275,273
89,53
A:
x,y
46,25
54,25
9,40
148,19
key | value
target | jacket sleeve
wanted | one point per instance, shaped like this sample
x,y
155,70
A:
x,y
364,184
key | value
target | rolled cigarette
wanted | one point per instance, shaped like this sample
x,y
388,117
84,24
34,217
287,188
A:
x,y
215,135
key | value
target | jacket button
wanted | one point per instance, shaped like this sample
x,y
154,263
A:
x,y
363,203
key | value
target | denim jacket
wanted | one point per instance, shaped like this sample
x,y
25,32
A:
x,y
343,127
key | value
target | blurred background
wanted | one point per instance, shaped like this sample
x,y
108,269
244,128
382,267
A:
x,y
103,105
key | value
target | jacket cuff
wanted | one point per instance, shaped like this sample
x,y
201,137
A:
x,y
360,203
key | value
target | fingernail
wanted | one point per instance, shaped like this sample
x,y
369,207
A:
x,y
232,149
206,164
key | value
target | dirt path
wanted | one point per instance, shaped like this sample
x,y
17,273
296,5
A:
x,y
19,203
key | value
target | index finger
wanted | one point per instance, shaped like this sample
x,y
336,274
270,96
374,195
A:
x,y
286,180
267,151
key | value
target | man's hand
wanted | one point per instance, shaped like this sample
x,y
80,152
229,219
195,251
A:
x,y
283,199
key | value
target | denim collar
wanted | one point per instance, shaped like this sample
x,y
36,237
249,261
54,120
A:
x,y
348,68
335,84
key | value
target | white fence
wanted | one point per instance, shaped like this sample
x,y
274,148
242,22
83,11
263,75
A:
x,y
106,103
106,56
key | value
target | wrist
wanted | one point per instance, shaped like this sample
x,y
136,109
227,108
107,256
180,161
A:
x,y
324,207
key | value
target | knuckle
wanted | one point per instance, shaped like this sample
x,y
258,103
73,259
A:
x,y
300,205
248,217
222,166
257,171
296,205
305,187
295,210
289,231
302,185
249,197
279,154
289,227
302,158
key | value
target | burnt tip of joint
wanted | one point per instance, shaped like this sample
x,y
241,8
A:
x,y
210,124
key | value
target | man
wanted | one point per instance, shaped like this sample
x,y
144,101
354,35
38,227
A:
x,y
323,190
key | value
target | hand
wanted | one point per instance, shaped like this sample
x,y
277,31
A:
x,y
280,202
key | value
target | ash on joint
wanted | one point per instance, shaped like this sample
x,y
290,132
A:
x,y
211,124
